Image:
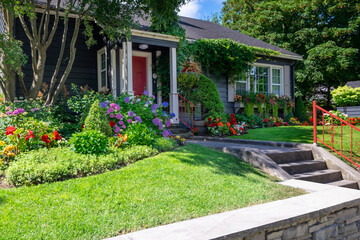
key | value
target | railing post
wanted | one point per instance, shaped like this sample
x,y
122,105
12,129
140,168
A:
x,y
314,123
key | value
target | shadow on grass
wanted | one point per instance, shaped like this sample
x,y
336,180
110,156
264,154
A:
x,y
220,163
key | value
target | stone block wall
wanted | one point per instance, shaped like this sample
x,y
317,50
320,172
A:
x,y
340,224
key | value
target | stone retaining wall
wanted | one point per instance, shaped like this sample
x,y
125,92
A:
x,y
342,224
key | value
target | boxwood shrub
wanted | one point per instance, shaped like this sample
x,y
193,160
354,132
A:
x,y
57,164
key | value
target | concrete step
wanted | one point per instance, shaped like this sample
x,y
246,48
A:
x,y
320,176
303,166
293,156
345,183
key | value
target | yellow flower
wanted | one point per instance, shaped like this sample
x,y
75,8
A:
x,y
177,137
183,139
2,143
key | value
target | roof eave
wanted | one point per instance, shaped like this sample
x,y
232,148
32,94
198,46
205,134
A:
x,y
154,35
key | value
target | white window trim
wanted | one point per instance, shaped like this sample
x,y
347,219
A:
x,y
271,67
99,70
148,56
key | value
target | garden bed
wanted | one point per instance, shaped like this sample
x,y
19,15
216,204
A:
x,y
189,182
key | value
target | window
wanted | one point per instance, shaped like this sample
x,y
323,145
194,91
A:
x,y
102,69
261,79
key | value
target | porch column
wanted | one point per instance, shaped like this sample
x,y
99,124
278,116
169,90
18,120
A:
x,y
129,69
113,72
174,101
159,93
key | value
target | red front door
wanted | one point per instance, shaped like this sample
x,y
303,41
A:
x,y
139,75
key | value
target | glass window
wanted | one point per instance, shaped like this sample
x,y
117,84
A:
x,y
241,83
259,79
102,69
276,81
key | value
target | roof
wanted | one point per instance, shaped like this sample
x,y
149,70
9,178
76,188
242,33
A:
x,y
199,29
353,84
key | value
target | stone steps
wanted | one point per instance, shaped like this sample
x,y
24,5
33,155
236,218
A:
x,y
303,166
291,156
345,183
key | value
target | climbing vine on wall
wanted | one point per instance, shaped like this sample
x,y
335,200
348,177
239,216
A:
x,y
226,57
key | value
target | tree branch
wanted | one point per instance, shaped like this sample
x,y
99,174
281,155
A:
x,y
47,20
26,29
56,21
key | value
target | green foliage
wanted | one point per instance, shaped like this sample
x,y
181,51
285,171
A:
x,y
80,103
252,121
97,120
325,33
300,110
225,56
207,94
346,96
90,142
140,134
57,164
163,144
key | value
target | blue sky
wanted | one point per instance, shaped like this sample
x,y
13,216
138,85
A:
x,y
201,9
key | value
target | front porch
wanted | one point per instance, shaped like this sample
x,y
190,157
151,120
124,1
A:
x,y
128,67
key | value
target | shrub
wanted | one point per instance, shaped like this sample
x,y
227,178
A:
x,y
57,164
89,142
207,94
300,110
140,134
163,144
346,96
97,120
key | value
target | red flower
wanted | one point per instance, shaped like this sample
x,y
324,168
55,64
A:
x,y
233,131
29,135
213,125
220,124
265,120
56,135
206,123
286,124
217,120
277,124
228,124
311,119
209,119
195,130
10,130
82,125
45,139
112,123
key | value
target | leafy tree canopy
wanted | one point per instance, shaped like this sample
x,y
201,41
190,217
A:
x,y
307,27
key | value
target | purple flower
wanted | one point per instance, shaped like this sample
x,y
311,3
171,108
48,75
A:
x,y
107,102
168,123
117,129
164,114
154,107
156,121
18,111
152,96
161,127
121,123
147,104
166,133
127,99
131,113
8,112
165,104
119,116
146,93
110,110
172,115
154,112
117,108
35,109
129,120
138,118
112,105
123,126
111,115
103,105
138,100
8,108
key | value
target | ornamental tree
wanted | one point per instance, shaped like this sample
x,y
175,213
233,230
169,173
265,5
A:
x,y
40,21
304,27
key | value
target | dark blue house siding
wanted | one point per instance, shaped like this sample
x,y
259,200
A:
x,y
84,70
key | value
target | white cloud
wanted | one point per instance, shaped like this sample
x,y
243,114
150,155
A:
x,y
191,9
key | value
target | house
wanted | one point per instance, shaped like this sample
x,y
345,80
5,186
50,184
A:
x,y
353,84
127,66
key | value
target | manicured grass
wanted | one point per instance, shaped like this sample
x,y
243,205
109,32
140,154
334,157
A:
x,y
189,182
304,134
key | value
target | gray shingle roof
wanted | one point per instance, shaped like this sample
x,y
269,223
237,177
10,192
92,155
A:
x,y
198,29
353,84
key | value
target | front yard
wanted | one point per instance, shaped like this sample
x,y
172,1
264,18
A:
x,y
189,182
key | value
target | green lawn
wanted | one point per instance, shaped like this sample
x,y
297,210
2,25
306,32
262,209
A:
x,y
304,134
189,182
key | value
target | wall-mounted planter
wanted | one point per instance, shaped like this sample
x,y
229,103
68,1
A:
x,y
351,111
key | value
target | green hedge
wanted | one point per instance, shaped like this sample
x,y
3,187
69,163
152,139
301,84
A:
x,y
346,96
57,164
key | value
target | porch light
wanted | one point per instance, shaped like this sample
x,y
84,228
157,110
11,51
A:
x,y
143,46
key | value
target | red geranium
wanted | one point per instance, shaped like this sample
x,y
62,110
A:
x,y
45,139
209,119
112,123
56,135
195,130
265,120
233,131
286,124
277,124
29,135
213,125
220,124
82,125
10,130
228,124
